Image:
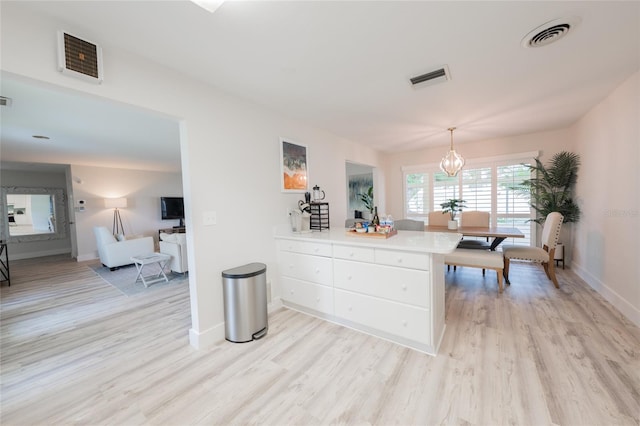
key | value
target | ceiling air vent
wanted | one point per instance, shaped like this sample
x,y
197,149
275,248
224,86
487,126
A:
x,y
550,32
439,75
5,102
79,58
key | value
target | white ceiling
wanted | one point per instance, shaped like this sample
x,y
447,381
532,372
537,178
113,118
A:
x,y
344,66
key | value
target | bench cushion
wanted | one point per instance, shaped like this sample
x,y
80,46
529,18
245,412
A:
x,y
475,258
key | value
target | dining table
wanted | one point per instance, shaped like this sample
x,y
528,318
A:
x,y
498,233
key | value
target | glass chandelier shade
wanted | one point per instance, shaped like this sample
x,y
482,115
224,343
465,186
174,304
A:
x,y
453,162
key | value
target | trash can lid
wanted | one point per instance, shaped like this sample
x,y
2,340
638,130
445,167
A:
x,y
245,271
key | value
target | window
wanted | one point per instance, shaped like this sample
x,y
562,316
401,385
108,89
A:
x,y
417,195
484,184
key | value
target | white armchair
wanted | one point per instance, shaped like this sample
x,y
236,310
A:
x,y
114,253
176,246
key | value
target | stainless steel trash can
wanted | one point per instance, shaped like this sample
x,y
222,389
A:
x,y
245,302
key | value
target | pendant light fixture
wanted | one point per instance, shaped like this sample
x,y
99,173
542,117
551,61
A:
x,y
453,162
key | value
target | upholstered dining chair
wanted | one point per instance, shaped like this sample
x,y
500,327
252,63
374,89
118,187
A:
x,y
437,218
475,218
408,225
544,254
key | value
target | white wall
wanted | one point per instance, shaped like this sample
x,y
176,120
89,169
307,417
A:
x,y
28,249
141,188
230,156
607,252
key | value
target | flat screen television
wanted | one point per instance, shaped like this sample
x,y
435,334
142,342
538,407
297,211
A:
x,y
172,208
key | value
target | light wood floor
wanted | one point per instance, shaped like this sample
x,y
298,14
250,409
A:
x,y
76,351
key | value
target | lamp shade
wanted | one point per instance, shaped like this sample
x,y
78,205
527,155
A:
x,y
115,203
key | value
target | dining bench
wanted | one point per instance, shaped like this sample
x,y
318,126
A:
x,y
478,259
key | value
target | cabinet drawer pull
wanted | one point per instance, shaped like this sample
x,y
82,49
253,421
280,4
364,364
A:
x,y
349,277
317,270
291,291
399,260
404,323
351,254
349,308
316,249
317,299
404,287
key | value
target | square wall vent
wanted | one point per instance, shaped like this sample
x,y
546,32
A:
x,y
79,58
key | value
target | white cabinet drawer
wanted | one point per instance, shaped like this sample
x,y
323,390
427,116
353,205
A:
x,y
305,247
304,267
398,319
403,259
360,254
308,295
409,286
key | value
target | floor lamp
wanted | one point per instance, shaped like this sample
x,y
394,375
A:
x,y
115,204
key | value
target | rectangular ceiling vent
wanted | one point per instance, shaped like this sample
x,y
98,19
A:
x,y
5,102
439,75
79,58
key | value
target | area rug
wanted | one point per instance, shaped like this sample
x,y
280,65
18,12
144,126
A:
x,y
123,278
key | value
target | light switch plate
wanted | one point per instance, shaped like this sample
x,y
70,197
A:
x,y
209,218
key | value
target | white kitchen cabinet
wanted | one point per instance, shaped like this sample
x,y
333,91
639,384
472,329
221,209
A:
x,y
391,318
306,271
305,294
398,284
391,288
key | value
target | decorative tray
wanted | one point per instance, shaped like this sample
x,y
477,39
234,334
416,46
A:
x,y
384,235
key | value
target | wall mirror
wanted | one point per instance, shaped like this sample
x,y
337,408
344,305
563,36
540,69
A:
x,y
360,177
32,214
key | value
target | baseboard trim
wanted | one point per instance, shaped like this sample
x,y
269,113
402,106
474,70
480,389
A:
x,y
207,338
85,257
31,255
276,304
627,309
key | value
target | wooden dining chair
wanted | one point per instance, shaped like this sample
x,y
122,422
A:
x,y
544,254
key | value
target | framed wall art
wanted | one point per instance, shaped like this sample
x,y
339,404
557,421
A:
x,y
294,166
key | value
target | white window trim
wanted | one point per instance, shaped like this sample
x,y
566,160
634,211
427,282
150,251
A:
x,y
493,162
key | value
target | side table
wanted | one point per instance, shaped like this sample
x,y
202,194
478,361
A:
x,y
149,259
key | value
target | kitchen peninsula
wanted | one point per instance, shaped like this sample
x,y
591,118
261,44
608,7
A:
x,y
391,288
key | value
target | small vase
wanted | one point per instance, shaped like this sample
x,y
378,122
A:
x,y
452,224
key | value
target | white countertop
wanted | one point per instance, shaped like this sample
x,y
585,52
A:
x,y
424,242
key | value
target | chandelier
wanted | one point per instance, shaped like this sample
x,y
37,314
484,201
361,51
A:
x,y
453,162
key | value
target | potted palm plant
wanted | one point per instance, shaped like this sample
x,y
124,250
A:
x,y
552,187
551,190
452,206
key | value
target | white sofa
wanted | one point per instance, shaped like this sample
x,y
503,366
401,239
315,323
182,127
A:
x,y
114,253
175,245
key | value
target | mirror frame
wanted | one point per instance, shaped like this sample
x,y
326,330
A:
x,y
59,202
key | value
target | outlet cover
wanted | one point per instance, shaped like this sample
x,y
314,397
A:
x,y
209,218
